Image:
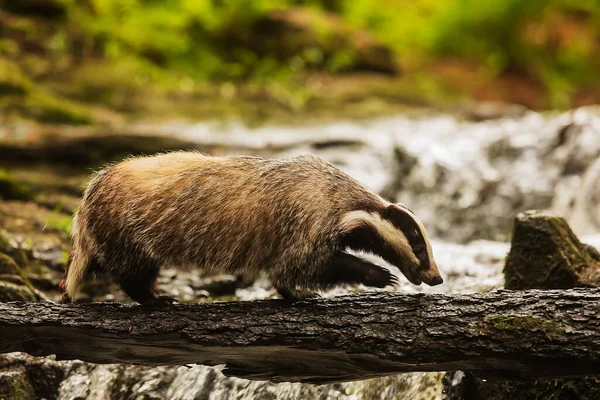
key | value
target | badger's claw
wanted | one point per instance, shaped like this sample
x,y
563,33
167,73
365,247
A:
x,y
65,299
380,277
305,295
159,301
297,295
167,299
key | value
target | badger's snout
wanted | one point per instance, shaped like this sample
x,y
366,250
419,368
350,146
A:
x,y
431,276
438,280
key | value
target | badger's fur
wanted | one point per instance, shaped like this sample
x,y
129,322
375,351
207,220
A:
x,y
293,218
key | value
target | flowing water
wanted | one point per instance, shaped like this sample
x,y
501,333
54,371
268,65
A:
x,y
465,180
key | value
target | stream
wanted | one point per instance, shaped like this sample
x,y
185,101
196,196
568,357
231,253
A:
x,y
465,180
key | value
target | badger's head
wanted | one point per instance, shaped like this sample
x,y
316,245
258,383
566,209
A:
x,y
395,234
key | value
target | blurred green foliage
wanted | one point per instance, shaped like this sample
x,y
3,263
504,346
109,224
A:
x,y
181,45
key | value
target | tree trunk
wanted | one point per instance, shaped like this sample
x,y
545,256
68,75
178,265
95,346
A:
x,y
520,334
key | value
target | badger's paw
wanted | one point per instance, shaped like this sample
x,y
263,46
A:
x,y
297,295
65,299
380,277
304,295
159,301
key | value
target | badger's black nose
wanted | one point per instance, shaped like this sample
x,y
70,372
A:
x,y
438,280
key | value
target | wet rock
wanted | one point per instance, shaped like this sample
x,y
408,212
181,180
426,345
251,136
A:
x,y
8,266
460,386
576,144
13,292
403,164
221,285
27,377
546,254
87,148
335,143
566,134
13,285
12,278
51,379
44,282
15,385
487,110
579,200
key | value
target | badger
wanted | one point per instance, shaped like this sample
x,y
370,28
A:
x,y
297,219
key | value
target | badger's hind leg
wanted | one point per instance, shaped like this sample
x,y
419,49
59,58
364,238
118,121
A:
x,y
286,283
294,294
141,289
345,268
140,282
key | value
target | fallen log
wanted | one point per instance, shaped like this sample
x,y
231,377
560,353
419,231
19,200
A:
x,y
519,334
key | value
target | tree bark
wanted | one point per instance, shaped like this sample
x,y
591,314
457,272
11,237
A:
x,y
517,334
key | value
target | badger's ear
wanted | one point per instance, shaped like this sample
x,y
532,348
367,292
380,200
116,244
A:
x,y
391,210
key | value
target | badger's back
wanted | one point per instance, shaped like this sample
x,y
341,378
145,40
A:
x,y
233,214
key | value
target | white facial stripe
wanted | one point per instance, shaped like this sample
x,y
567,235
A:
x,y
384,229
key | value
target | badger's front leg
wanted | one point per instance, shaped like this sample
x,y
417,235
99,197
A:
x,y
291,283
345,268
296,294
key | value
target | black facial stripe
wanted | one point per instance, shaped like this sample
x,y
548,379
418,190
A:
x,y
406,223
365,238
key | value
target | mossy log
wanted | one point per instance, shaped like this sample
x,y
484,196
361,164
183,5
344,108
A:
x,y
524,334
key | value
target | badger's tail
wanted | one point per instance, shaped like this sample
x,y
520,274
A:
x,y
75,273
77,265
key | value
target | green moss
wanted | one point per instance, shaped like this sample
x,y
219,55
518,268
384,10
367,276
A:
x,y
421,340
47,108
60,223
15,386
5,246
64,257
12,189
408,386
515,326
8,265
12,79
